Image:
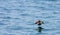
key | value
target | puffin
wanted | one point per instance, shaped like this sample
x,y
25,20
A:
x,y
39,22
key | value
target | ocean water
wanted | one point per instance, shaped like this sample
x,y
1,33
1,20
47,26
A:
x,y
17,17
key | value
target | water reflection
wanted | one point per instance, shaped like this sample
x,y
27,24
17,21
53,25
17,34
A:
x,y
39,29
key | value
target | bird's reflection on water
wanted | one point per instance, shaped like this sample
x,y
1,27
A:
x,y
39,29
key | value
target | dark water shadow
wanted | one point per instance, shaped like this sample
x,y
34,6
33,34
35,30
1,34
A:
x,y
39,29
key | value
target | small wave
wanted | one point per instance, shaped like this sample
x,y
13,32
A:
x,y
1,24
14,28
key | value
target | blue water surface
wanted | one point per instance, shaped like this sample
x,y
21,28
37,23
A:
x,y
17,17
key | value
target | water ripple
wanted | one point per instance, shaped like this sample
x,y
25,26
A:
x,y
7,34
14,28
2,24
